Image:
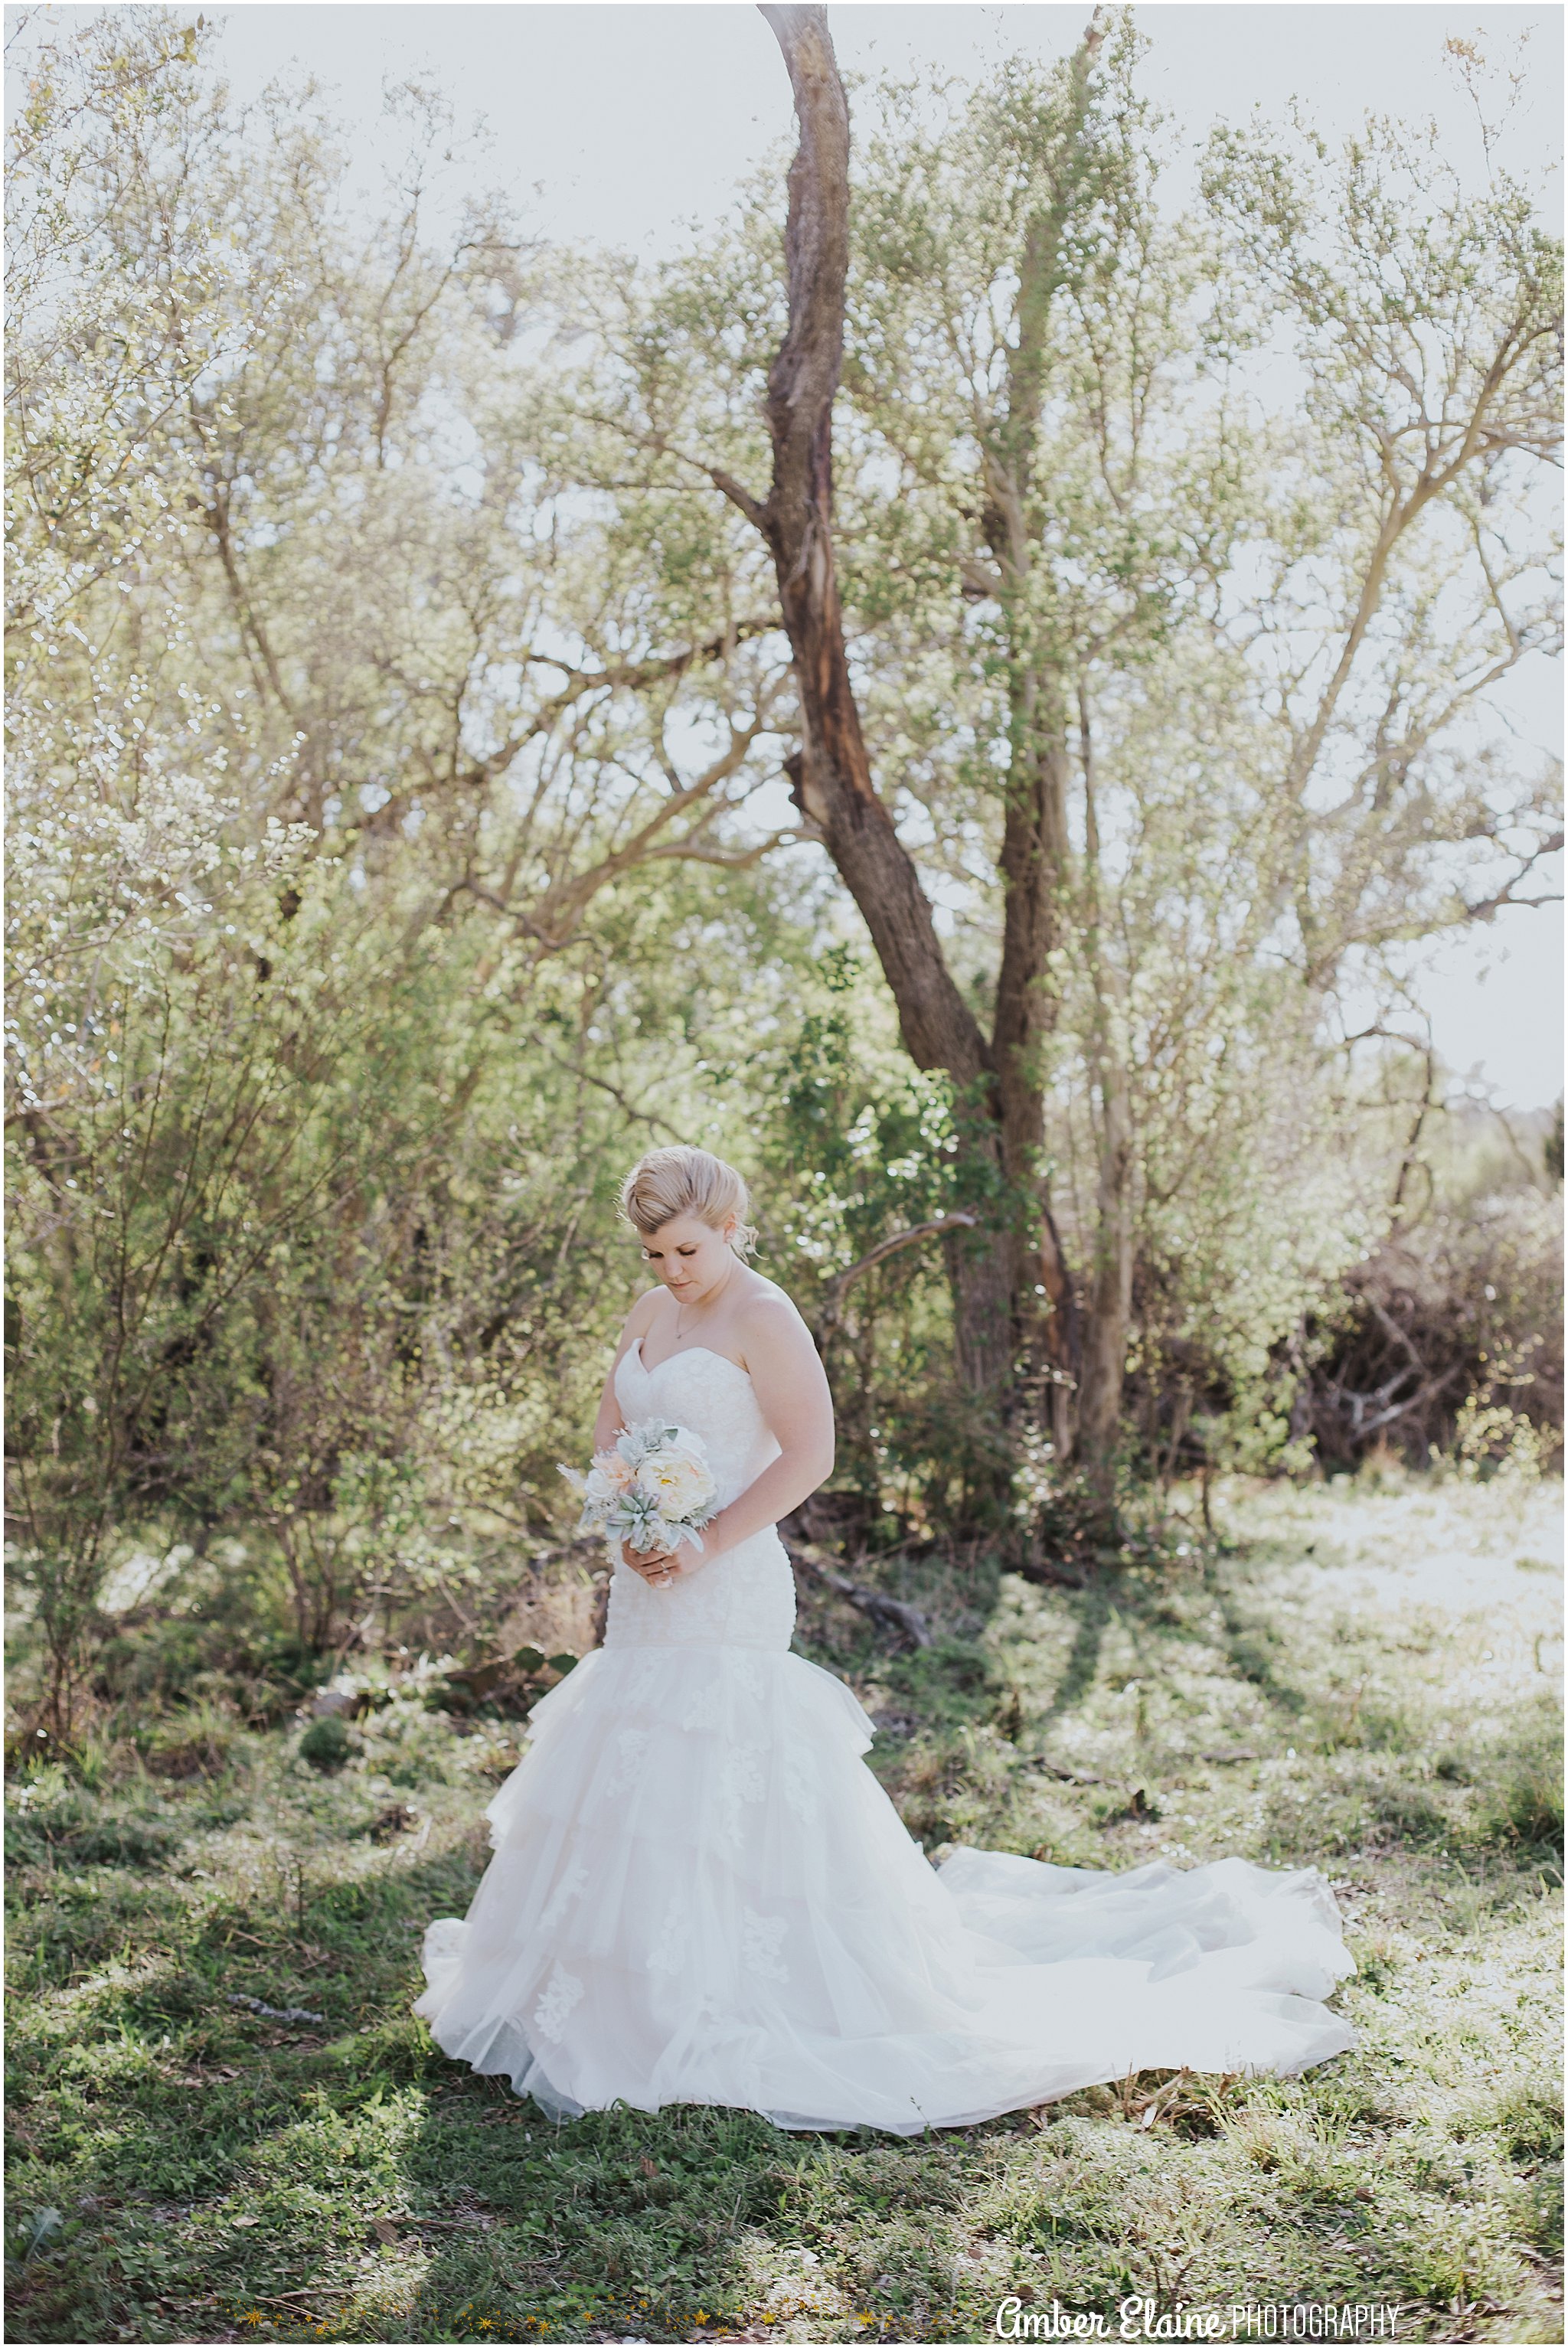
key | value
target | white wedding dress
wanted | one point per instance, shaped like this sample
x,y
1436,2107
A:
x,y
699,1892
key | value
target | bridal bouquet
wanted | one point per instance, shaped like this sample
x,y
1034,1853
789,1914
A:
x,y
653,1490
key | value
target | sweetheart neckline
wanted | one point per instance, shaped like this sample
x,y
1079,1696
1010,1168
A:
x,y
651,1370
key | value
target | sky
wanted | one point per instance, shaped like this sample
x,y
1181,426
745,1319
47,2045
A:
x,y
632,119
628,124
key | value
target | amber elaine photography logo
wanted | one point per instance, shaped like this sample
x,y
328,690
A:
x,y
1145,2319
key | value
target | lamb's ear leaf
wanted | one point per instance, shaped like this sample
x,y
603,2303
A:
x,y
45,2225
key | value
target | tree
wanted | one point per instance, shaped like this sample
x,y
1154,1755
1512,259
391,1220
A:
x,y
287,1236
1097,598
404,701
994,1076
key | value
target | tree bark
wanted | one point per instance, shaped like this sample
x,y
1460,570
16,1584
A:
x,y
1110,1288
832,774
1036,870
1014,1305
1104,1365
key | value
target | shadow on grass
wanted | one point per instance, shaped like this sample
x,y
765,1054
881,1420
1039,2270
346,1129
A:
x,y
619,2221
1255,1647
222,2176
1092,1610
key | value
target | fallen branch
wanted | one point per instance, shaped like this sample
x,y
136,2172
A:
x,y
1067,1777
808,1558
1047,1576
274,2013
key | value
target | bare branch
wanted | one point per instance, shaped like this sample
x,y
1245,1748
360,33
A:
x,y
833,1300
1488,906
587,1076
656,444
736,859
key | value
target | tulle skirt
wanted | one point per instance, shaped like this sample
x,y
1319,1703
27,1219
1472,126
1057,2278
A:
x,y
699,1893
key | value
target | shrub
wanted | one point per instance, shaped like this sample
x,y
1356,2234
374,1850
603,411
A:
x,y
327,1744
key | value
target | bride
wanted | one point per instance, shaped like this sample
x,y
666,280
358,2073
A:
x,y
699,1893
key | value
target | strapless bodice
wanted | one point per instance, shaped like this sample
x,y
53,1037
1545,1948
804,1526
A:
x,y
747,1596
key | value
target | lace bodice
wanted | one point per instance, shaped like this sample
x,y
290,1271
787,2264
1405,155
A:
x,y
747,1596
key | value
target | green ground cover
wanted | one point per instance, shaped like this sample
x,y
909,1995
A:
x,y
1357,1677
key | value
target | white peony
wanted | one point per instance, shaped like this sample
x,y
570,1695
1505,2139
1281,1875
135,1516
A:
x,y
677,1480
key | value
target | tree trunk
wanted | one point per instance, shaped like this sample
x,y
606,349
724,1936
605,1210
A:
x,y
1014,1308
1034,863
1110,1289
1036,869
1111,1296
831,775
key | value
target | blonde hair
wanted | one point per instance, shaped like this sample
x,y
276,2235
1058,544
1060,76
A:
x,y
686,1181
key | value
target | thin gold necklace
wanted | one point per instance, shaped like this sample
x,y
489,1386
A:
x,y
679,1310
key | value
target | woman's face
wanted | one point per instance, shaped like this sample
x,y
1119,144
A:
x,y
690,1257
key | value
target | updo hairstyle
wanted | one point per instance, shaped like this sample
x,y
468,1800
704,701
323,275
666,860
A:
x,y
686,1181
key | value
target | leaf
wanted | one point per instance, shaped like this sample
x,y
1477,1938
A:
x,y
46,2224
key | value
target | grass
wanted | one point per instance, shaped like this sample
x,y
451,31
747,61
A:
x,y
185,2168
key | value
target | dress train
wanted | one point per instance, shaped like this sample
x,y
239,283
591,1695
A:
x,y
699,1893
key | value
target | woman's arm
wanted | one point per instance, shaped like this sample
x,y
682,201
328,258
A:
x,y
791,1388
611,1421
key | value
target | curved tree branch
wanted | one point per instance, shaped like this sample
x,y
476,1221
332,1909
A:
x,y
834,1302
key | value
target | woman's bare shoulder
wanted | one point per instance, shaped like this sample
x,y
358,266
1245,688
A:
x,y
768,1312
640,1319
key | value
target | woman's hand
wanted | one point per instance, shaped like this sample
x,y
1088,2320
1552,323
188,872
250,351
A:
x,y
660,1568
